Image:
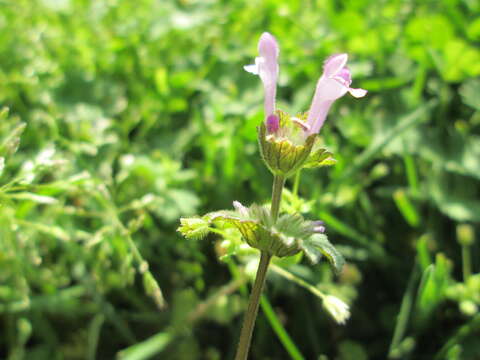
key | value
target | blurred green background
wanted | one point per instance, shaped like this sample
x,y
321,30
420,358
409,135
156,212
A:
x,y
130,114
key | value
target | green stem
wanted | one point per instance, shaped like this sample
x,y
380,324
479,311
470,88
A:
x,y
252,310
466,262
404,314
289,276
278,182
296,183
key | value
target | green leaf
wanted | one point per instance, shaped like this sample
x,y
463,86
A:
x,y
10,144
294,225
194,228
469,92
146,349
40,199
432,287
311,252
455,196
406,207
318,158
384,138
320,242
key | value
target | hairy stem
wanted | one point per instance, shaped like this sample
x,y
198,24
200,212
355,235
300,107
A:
x,y
252,310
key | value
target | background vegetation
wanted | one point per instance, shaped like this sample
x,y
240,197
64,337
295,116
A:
x,y
130,114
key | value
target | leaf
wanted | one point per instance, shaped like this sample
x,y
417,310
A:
x,y
194,228
413,118
458,153
146,349
318,158
311,252
40,199
10,144
294,225
256,226
320,241
469,92
455,196
178,202
432,287
260,214
406,207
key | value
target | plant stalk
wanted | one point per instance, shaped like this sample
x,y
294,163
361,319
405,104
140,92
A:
x,y
252,310
258,285
466,262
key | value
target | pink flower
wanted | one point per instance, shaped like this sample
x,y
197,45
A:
x,y
266,66
333,84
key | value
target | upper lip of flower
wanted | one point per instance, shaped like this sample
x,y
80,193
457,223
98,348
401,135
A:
x,y
266,66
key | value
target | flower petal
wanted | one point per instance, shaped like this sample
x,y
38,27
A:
x,y
358,93
267,46
268,69
252,69
333,84
334,64
317,114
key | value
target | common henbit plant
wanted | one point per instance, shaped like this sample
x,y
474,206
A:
x,y
287,145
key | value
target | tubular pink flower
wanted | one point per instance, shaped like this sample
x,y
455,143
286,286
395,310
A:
x,y
333,84
266,66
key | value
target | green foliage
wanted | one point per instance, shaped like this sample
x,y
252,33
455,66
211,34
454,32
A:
x,y
288,236
118,118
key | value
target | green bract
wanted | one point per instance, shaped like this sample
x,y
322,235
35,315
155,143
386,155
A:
x,y
290,235
288,150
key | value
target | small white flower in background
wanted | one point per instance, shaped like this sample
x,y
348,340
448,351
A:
x,y
45,157
2,164
337,308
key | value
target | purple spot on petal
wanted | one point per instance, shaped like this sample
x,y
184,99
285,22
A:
x,y
273,123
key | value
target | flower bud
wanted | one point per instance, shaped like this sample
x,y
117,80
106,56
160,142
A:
x,y
337,308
